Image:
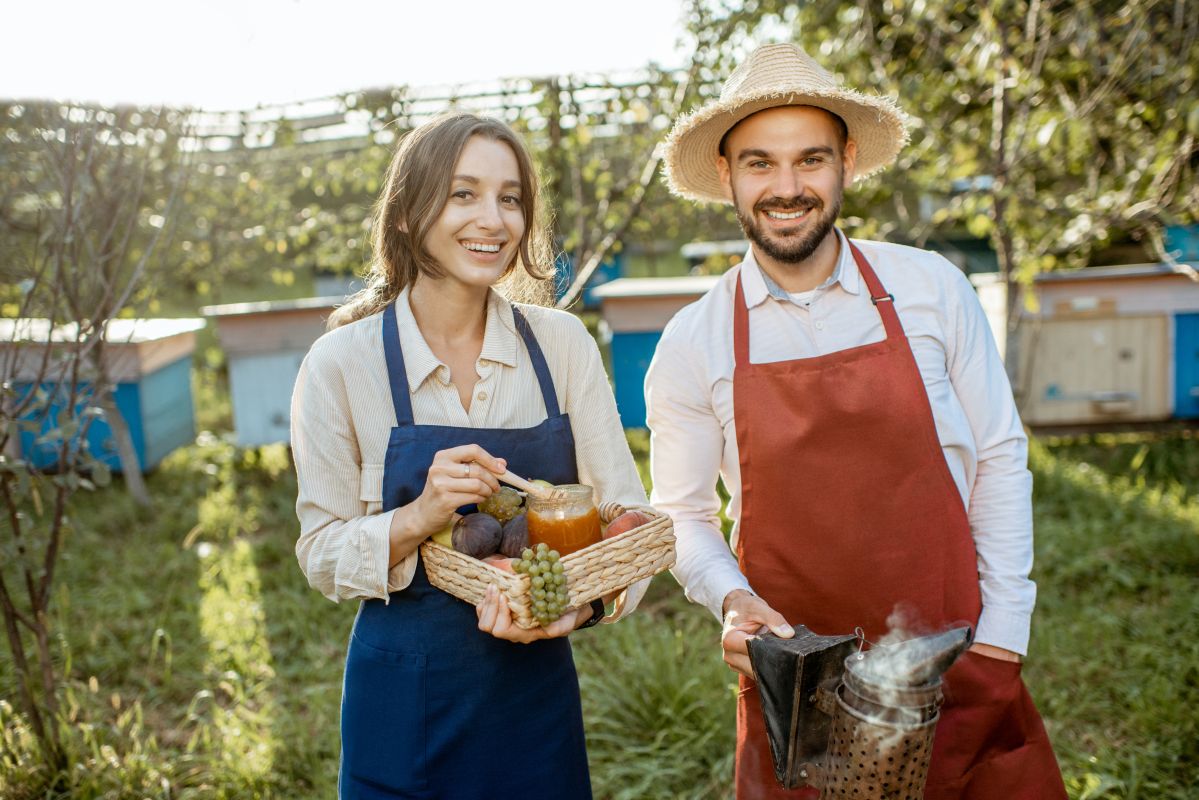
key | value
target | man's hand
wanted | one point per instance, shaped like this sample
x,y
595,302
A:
x,y
747,615
991,651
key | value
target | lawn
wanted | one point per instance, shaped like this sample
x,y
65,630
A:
x,y
202,666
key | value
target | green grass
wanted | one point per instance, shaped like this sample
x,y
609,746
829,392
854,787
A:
x,y
1115,651
201,665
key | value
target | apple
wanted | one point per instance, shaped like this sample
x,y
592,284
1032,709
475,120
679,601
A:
x,y
500,561
626,522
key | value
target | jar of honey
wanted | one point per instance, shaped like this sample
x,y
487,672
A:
x,y
566,521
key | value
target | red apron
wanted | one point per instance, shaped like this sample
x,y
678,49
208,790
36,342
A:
x,y
849,514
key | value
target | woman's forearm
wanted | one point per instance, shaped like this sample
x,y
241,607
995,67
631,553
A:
x,y
409,527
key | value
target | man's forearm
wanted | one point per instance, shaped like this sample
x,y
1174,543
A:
x,y
705,566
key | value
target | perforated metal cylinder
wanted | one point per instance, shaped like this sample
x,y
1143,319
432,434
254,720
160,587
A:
x,y
872,760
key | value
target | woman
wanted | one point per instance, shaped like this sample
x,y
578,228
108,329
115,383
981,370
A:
x,y
428,385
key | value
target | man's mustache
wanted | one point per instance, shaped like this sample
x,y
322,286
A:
x,y
786,206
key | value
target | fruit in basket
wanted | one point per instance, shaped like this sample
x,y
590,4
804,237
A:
x,y
626,522
547,582
445,536
477,535
503,505
500,561
515,537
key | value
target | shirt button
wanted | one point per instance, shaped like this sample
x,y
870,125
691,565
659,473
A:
x,y
481,395
819,326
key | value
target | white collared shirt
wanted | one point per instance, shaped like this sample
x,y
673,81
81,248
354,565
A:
x,y
342,415
689,409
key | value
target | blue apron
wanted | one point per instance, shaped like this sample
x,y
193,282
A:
x,y
432,707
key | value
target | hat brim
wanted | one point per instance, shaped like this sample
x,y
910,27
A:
x,y
875,124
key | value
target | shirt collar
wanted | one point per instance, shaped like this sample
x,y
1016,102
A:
x,y
499,340
758,285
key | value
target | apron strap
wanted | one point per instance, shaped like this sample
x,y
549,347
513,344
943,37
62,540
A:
x,y
548,395
882,299
397,376
740,325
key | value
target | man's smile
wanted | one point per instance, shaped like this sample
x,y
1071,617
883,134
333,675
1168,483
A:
x,y
787,215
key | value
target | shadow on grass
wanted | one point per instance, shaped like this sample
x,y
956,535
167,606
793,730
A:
x,y
659,704
1113,662
1165,459
130,615
126,623
307,636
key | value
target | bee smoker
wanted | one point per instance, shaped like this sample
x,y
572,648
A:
x,y
852,724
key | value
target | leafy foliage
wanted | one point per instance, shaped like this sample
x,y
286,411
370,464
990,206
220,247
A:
x,y
1050,128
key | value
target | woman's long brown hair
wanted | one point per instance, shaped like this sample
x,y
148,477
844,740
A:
x,y
416,191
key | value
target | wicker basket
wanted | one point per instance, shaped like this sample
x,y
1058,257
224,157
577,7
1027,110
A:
x,y
591,572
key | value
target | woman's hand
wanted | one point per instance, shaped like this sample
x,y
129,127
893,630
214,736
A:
x,y
457,477
496,618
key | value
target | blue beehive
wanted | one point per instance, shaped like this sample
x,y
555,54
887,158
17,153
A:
x,y
1186,365
636,311
148,360
265,343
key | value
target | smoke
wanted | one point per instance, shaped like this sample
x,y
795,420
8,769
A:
x,y
910,654
893,690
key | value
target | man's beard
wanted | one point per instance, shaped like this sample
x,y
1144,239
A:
x,y
785,247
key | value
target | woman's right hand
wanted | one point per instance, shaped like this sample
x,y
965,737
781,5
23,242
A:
x,y
496,618
457,477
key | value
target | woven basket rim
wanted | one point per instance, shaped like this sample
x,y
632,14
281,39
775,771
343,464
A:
x,y
467,578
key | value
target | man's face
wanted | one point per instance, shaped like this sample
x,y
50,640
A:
x,y
785,170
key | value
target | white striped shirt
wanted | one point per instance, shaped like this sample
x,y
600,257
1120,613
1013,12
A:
x,y
689,407
342,414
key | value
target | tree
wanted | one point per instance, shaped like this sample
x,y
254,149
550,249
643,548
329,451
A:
x,y
1064,124
87,197
607,183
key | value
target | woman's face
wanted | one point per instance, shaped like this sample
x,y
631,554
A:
x,y
478,232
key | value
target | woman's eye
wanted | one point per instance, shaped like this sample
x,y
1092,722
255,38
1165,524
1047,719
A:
x,y
462,194
511,199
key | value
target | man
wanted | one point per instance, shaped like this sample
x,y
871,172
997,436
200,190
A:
x,y
852,399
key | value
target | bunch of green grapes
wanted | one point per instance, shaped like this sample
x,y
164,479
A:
x,y
547,578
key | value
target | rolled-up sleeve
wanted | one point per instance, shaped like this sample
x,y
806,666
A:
x,y
686,444
343,549
1000,507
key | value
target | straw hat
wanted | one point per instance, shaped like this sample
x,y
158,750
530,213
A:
x,y
777,75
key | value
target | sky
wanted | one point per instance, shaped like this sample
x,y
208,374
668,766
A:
x,y
236,54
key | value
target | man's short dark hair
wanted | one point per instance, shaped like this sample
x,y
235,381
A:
x,y
842,129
